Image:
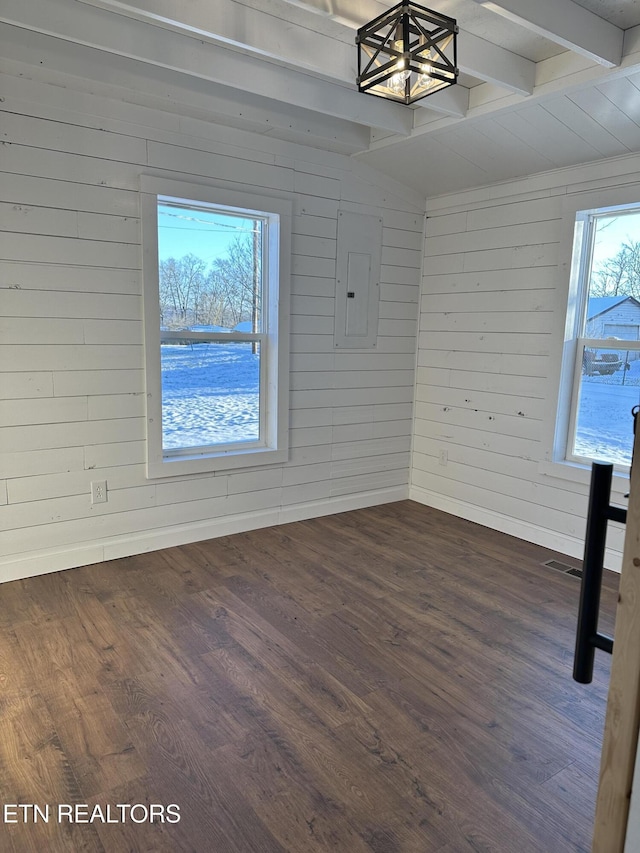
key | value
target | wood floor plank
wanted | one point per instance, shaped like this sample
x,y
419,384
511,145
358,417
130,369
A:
x,y
35,769
95,740
55,645
392,679
332,758
14,672
568,787
17,604
331,699
216,814
126,836
280,790
289,619
210,705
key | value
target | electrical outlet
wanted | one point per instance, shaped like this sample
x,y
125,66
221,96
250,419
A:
x,y
99,492
444,457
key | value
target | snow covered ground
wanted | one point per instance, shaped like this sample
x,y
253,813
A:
x,y
226,411
605,425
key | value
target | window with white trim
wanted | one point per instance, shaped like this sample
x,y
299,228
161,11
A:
x,y
601,364
216,290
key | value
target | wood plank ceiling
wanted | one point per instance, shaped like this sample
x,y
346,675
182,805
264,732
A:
x,y
543,85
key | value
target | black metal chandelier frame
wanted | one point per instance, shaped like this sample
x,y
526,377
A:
x,y
407,53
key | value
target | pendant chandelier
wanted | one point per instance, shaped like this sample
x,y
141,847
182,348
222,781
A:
x,y
407,53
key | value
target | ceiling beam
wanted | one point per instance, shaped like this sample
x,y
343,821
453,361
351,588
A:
x,y
352,13
495,64
452,101
76,68
476,56
193,55
303,37
565,23
273,30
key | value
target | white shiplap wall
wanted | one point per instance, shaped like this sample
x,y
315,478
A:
x,y
494,297
71,360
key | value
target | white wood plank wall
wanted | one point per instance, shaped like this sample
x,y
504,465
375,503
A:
x,y
492,292
71,360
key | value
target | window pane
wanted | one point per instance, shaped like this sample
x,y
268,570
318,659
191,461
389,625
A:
x,y
613,308
210,265
609,388
210,394
210,270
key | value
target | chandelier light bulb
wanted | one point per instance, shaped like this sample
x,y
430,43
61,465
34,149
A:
x,y
397,81
403,72
425,79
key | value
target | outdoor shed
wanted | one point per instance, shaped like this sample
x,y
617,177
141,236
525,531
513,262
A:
x,y
613,317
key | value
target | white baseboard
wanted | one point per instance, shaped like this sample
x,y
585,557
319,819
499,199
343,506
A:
x,y
551,539
50,560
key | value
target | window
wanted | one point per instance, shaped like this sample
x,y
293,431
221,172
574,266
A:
x,y
215,268
601,363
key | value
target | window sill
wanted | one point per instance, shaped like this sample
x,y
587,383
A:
x,y
574,472
230,461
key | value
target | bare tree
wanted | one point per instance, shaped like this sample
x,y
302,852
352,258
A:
x,y
212,302
226,294
618,275
181,290
233,278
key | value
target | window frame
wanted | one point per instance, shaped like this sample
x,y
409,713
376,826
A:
x,y
273,337
572,290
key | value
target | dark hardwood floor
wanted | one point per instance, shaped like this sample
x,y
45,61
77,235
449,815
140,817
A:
x,y
392,679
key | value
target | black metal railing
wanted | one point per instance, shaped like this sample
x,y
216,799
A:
x,y
588,639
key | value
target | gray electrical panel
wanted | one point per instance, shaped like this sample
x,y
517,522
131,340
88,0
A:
x,y
357,280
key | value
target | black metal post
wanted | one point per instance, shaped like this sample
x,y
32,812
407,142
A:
x,y
587,637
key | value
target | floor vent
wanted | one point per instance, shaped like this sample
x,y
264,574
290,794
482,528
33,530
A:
x,y
563,567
